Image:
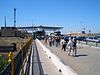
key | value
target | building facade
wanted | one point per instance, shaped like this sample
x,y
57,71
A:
x,y
10,32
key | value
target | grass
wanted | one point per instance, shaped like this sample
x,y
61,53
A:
x,y
3,62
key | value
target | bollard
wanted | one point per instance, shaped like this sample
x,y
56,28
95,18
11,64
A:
x,y
10,60
96,44
86,42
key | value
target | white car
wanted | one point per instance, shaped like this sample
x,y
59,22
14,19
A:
x,y
93,39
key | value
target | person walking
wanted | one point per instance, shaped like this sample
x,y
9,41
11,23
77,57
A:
x,y
53,40
50,41
57,41
70,46
74,47
59,38
63,44
66,39
46,38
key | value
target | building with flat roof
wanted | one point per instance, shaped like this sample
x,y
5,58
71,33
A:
x,y
10,32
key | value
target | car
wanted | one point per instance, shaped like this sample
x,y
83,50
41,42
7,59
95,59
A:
x,y
93,39
97,36
81,38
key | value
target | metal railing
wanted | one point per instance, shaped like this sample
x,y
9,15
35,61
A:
x,y
18,60
90,43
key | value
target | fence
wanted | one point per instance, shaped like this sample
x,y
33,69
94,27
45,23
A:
x,y
90,43
18,59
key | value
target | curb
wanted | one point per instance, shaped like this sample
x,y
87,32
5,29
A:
x,y
65,69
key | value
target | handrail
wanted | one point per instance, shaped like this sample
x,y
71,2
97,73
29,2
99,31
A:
x,y
17,60
90,43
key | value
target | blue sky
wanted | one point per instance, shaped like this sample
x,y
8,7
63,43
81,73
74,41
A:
x,y
73,15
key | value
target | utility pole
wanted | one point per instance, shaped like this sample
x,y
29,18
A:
x,y
81,26
5,21
14,17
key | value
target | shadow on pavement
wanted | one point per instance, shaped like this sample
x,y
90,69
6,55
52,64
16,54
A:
x,y
79,55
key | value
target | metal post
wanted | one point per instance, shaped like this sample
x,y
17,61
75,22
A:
x,y
5,21
12,63
22,64
14,17
96,44
22,59
86,42
10,60
26,51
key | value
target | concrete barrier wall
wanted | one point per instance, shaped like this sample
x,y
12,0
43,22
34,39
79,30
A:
x,y
65,69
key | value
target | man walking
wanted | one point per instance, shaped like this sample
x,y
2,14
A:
x,y
70,46
63,44
74,47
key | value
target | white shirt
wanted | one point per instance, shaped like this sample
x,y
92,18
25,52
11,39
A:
x,y
70,44
63,42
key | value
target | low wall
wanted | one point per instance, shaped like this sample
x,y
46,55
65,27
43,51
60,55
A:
x,y
65,69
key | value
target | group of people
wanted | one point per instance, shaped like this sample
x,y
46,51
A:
x,y
68,45
54,41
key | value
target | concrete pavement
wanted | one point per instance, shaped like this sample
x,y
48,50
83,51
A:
x,y
86,63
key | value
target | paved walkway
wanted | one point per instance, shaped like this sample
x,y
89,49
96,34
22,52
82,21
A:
x,y
87,61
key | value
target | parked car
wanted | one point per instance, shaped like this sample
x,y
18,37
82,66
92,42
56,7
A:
x,y
93,39
81,38
97,36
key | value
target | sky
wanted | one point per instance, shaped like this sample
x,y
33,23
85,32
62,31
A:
x,y
73,15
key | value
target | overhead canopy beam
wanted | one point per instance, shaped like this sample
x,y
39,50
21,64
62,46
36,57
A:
x,y
41,27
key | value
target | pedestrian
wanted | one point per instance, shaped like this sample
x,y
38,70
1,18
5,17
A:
x,y
66,39
74,47
63,44
46,38
70,46
50,41
57,41
53,40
